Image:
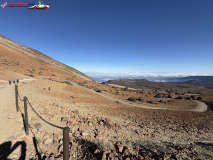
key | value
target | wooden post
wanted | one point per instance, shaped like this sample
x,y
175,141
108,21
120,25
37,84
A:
x,y
16,96
26,116
66,131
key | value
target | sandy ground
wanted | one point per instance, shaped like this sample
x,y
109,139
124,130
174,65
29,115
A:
x,y
63,100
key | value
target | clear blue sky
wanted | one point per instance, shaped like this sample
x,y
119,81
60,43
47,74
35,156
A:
x,y
172,36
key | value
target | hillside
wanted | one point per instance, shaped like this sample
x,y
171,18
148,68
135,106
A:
x,y
15,57
106,121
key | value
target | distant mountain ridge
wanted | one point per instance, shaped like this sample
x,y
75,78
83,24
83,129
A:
x,y
190,78
192,86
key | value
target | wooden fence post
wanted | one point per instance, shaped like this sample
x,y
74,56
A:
x,y
16,96
66,131
26,116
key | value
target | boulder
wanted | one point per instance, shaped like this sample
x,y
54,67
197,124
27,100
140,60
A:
x,y
132,99
141,99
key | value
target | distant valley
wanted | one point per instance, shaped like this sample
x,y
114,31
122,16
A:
x,y
204,84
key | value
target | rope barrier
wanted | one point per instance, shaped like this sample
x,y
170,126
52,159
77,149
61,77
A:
x,y
20,98
38,114
66,130
42,118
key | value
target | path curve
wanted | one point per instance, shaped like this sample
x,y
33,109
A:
x,y
201,107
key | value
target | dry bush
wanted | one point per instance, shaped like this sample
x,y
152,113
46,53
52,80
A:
x,y
103,144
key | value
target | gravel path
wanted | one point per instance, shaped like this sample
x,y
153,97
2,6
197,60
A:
x,y
201,107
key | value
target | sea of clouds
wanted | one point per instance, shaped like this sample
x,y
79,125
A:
x,y
156,77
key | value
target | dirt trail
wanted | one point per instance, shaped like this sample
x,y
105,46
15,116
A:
x,y
8,113
201,107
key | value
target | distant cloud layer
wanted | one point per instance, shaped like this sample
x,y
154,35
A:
x,y
105,76
141,74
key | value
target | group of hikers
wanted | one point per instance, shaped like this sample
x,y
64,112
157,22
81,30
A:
x,y
14,81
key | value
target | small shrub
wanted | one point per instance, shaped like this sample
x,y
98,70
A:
x,y
53,75
193,97
199,98
76,111
126,89
169,96
97,90
103,144
141,99
29,71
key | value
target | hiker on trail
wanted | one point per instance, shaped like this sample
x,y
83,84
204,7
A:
x,y
17,81
14,81
9,82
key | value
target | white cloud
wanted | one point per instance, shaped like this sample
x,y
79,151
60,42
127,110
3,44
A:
x,y
141,74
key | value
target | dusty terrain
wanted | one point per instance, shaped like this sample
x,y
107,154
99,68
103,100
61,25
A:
x,y
103,123
192,86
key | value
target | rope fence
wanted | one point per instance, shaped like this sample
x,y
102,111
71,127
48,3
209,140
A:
x,y
66,130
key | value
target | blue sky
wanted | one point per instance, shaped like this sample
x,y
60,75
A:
x,y
118,37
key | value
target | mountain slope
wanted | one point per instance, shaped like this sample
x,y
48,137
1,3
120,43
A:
x,y
15,57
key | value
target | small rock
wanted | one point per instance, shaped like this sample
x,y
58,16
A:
x,y
116,130
117,102
47,141
64,119
84,134
11,137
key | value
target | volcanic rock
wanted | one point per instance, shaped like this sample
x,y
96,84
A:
x,y
132,99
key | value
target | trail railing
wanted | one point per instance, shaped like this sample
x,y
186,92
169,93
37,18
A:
x,y
66,130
